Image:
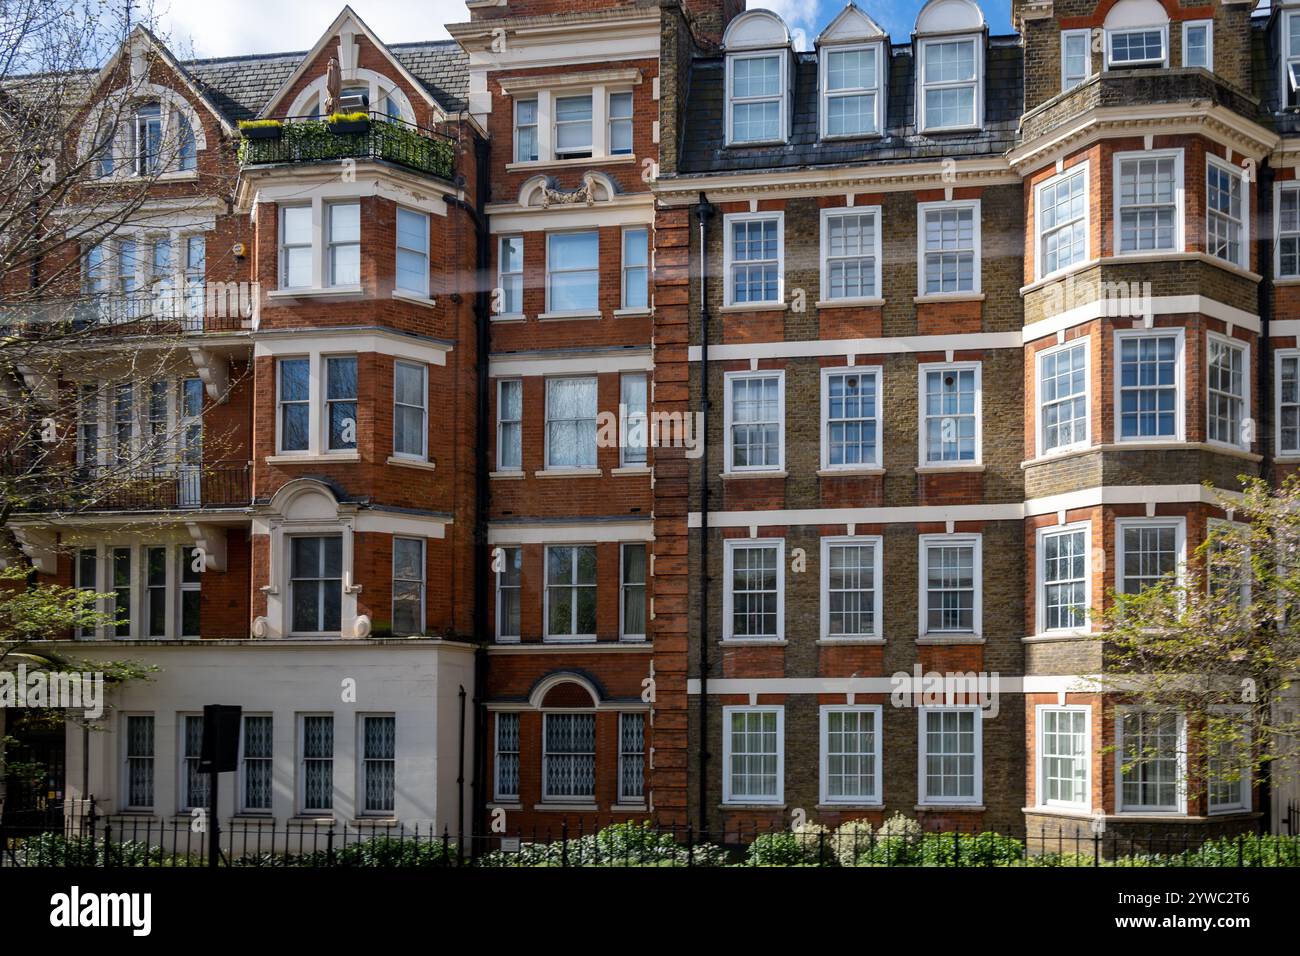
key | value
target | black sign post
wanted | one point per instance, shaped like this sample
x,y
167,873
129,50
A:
x,y
220,753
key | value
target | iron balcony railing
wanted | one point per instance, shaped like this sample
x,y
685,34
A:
x,y
197,308
314,140
170,487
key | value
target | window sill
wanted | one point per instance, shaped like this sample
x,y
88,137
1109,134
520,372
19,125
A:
x,y
507,317
415,298
1047,637
870,302
945,469
505,805
949,297
964,807
849,641
569,473
1171,255
582,315
949,639
848,805
506,474
729,805
568,807
528,164
849,472
631,470
628,808
309,459
753,307
569,639
736,475
420,463
632,313
322,293
753,642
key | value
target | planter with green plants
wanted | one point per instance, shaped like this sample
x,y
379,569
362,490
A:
x,y
261,129
343,124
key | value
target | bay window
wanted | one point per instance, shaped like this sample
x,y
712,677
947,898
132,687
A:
x,y
1063,397
1148,200
1225,214
1149,385
343,244
1062,221
1063,560
1150,551
1226,399
571,422
1150,753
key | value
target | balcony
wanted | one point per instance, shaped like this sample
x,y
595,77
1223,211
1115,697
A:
x,y
311,140
104,488
197,308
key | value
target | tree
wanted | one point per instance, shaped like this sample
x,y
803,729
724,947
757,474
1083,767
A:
x,y
1220,644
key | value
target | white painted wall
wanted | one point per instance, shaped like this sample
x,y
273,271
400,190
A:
x,y
417,680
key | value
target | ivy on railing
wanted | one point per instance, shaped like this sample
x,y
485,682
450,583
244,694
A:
x,y
316,140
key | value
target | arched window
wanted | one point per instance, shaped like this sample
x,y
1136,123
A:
x,y
1137,35
949,54
758,79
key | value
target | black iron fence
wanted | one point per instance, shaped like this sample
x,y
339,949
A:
x,y
379,136
170,487
91,841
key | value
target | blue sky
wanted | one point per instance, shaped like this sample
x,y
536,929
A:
x,y
896,16
209,28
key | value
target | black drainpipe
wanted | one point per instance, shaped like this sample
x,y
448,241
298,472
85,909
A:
x,y
482,557
704,212
1264,419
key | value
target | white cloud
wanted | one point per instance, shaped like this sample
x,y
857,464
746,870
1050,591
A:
x,y
212,28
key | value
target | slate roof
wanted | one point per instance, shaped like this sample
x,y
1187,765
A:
x,y
240,86
703,149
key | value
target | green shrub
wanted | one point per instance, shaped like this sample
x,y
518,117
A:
x,y
852,843
809,844
621,844
971,849
349,117
260,124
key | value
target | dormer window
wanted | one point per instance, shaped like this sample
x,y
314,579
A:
x,y
1198,44
949,50
758,79
757,99
1137,35
1291,57
853,59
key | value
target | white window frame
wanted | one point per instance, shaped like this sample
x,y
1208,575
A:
x,y
1040,449
498,588
977,40
1290,63
728,378
1180,782
728,259
330,243
730,546
183,759
1279,356
1180,385
300,764
783,107
877,543
290,579
517,126
423,370
977,263
504,277
1247,410
611,119
566,798
423,291
364,762
574,588
126,759
876,798
1177,522
838,212
626,757
572,151
825,96
1240,174
1040,576
1180,198
1067,81
1279,187
958,540
624,586
875,372
283,282
1162,28
1246,782
923,797
242,777
1188,25
595,310
727,797
624,269
501,383
1040,773
922,372
498,794
546,423
423,581
1085,169
634,424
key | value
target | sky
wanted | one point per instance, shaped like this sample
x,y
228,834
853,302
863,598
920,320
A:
x,y
213,28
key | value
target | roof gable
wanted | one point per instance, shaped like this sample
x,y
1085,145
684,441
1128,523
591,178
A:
x,y
851,25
